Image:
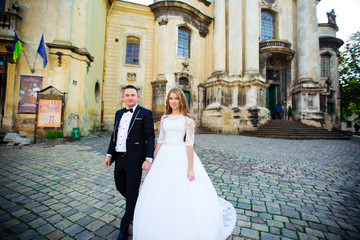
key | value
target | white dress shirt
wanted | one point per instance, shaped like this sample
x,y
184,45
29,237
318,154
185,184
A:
x,y
123,131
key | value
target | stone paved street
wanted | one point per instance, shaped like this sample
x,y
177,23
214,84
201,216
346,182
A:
x,y
281,189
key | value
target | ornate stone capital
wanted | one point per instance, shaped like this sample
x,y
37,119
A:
x,y
163,20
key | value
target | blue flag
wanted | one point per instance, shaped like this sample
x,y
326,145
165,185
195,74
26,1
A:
x,y
42,51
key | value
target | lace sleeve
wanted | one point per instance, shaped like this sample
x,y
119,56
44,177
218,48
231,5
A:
x,y
190,132
161,132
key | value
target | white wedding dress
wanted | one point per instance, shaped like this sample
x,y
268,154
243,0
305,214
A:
x,y
169,206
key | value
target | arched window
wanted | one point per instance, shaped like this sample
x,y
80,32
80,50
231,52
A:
x,y
267,25
132,50
325,66
183,42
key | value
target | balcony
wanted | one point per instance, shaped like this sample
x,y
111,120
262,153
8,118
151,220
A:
x,y
278,47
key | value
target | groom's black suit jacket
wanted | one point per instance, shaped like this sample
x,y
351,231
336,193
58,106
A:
x,y
141,138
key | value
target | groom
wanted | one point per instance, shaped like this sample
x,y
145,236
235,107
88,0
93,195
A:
x,y
131,148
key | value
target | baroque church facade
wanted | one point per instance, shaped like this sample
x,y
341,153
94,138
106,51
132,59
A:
x,y
235,60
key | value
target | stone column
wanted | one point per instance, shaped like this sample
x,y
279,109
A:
x,y
235,37
307,53
162,41
219,43
252,34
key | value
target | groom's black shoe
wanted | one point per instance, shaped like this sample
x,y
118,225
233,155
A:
x,y
130,229
122,236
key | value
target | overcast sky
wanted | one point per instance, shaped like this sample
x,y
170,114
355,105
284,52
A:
x,y
346,11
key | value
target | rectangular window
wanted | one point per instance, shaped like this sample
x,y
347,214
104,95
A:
x,y
325,66
183,43
132,54
132,50
267,25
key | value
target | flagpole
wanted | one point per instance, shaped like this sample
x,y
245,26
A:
x,y
31,69
35,62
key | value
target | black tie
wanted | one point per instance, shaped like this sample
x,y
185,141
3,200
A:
x,y
129,110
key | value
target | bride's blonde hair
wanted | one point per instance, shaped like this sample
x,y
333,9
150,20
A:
x,y
184,108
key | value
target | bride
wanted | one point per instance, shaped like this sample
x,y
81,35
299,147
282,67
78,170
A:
x,y
177,200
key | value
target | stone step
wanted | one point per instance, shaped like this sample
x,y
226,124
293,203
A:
x,y
204,130
294,130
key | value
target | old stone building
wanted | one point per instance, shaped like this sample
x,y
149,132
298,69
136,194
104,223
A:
x,y
235,60
74,33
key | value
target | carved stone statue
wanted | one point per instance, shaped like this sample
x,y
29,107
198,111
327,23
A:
x,y
331,17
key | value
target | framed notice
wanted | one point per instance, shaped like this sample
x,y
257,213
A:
x,y
49,114
29,87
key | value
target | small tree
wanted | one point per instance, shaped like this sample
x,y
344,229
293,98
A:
x,y
349,76
290,112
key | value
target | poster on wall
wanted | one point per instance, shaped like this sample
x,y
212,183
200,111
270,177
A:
x,y
49,114
29,86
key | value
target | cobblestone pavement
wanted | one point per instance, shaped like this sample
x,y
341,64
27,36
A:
x,y
281,189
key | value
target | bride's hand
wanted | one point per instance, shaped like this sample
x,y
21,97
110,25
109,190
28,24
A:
x,y
191,175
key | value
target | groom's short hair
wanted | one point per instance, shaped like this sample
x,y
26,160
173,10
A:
x,y
131,87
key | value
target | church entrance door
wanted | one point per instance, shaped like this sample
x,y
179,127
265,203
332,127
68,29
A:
x,y
271,99
187,95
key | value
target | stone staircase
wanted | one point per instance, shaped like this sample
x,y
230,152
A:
x,y
204,130
294,130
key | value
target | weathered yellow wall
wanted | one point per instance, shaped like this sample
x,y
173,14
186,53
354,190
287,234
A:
x,y
127,19
95,43
80,24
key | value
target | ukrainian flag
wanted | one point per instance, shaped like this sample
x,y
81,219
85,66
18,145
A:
x,y
18,48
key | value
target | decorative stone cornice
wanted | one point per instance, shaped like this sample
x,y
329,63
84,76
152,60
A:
x,y
190,15
72,48
331,42
159,82
240,82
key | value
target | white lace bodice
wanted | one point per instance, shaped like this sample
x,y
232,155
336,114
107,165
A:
x,y
173,129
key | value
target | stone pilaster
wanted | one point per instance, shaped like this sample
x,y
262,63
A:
x,y
159,96
252,35
162,43
219,43
235,37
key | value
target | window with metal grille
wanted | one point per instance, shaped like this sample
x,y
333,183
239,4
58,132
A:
x,y
183,42
132,50
2,5
325,66
267,25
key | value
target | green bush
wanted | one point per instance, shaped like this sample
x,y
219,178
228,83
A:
x,y
290,112
54,134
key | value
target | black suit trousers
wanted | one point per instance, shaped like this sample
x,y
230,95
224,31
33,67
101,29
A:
x,y
127,181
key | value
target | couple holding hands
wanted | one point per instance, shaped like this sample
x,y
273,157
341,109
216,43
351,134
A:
x,y
177,199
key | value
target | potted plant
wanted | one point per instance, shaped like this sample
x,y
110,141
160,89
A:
x,y
54,137
290,113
